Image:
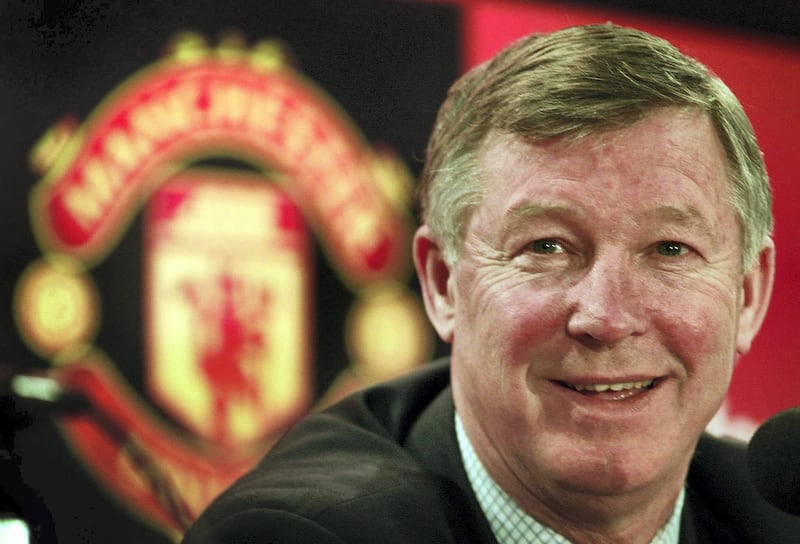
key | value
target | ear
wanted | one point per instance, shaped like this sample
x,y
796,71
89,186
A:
x,y
434,279
756,293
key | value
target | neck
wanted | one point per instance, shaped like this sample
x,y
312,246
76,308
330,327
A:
x,y
591,516
592,519
596,509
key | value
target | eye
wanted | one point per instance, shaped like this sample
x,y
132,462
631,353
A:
x,y
670,248
547,246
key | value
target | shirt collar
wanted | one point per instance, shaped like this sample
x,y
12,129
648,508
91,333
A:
x,y
509,522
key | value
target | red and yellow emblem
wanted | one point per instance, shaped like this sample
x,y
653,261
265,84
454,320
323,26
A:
x,y
226,268
227,264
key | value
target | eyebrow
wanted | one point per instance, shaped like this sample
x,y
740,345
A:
x,y
687,216
518,215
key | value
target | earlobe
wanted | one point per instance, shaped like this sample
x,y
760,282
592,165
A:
x,y
434,275
757,290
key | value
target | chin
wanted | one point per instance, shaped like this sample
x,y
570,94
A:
x,y
608,470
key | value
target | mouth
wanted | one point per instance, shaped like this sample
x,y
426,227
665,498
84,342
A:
x,y
612,391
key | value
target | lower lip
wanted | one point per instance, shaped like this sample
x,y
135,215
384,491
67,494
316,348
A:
x,y
614,396
609,401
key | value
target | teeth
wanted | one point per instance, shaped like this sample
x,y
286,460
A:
x,y
601,387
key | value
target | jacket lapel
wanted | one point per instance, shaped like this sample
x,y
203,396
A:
x,y
688,534
433,441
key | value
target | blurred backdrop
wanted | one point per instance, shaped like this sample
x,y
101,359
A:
x,y
206,209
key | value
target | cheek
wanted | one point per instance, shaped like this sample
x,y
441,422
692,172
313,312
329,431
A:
x,y
519,317
533,325
701,333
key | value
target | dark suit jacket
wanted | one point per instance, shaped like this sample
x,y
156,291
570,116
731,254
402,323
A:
x,y
383,467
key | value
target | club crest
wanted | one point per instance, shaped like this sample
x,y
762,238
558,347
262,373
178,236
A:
x,y
226,268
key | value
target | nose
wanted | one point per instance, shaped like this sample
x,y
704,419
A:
x,y
605,304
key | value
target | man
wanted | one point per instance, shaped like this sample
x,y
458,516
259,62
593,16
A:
x,y
595,245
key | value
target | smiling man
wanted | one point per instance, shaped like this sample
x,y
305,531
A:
x,y
595,246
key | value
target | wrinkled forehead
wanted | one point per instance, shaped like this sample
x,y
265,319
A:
x,y
671,160
685,139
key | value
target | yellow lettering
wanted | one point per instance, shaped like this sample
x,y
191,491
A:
x,y
102,179
336,143
237,101
157,119
128,149
83,205
332,192
100,185
167,114
183,107
144,120
228,104
298,135
322,156
264,114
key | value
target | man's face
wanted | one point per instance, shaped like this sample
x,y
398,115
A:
x,y
597,307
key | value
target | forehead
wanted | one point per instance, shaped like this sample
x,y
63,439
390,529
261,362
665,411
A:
x,y
672,161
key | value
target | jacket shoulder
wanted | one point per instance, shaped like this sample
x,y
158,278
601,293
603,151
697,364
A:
x,y
343,473
724,503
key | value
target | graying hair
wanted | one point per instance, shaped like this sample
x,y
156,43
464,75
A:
x,y
569,84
